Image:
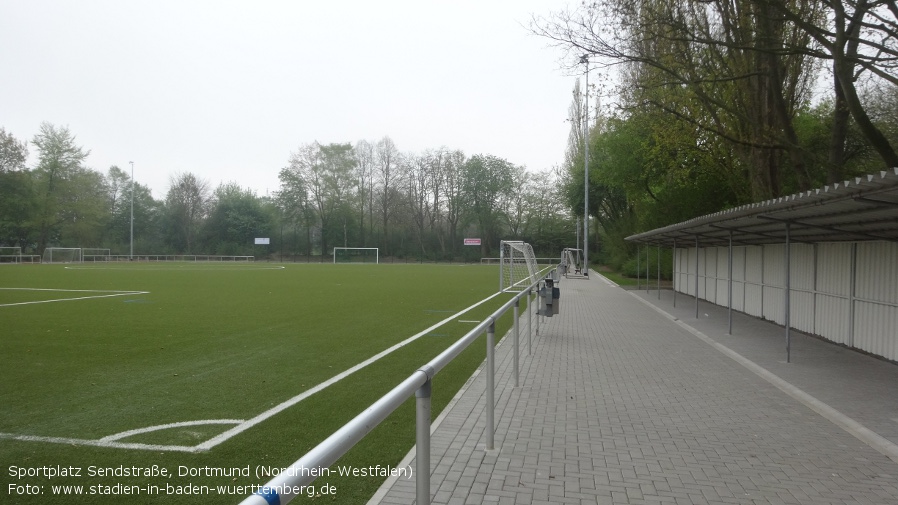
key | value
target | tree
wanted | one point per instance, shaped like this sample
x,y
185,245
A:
x,y
59,160
515,205
83,208
13,153
365,187
856,37
388,174
187,205
236,217
417,194
17,209
721,66
325,173
453,194
487,181
17,202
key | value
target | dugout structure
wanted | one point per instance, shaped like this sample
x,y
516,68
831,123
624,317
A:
x,y
517,266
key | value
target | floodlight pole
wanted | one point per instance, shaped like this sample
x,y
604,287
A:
x,y
131,256
585,60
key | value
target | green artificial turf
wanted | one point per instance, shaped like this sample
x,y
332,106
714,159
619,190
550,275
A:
x,y
218,342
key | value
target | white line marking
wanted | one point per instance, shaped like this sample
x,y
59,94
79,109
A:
x,y
149,268
139,431
309,392
98,443
110,293
110,441
876,441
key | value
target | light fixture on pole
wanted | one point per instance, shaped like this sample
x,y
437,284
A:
x,y
131,256
585,60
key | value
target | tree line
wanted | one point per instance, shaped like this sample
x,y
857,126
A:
x,y
411,205
719,103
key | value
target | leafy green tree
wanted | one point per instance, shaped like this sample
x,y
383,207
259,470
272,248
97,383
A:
x,y
13,153
487,181
17,202
17,209
236,217
59,165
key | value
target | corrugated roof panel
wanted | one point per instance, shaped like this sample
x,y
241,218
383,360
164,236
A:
x,y
865,208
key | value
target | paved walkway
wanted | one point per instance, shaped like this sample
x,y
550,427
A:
x,y
628,400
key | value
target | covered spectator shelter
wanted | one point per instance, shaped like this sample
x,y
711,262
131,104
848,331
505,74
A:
x,y
824,262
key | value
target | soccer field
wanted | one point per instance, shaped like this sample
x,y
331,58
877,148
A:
x,y
123,370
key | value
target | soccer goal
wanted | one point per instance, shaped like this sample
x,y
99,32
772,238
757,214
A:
x,y
91,254
356,255
517,266
572,262
10,254
62,255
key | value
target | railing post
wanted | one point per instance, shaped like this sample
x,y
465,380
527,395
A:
x,y
536,299
529,320
422,439
517,351
490,385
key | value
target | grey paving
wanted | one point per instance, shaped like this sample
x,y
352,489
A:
x,y
621,404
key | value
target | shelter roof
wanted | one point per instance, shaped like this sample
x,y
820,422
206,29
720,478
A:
x,y
864,208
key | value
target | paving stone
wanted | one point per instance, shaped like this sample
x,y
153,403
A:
x,y
620,404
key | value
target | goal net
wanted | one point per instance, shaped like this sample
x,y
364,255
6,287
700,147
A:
x,y
89,254
517,266
356,255
62,255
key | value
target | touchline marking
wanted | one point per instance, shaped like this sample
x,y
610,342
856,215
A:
x,y
112,441
109,293
212,267
876,441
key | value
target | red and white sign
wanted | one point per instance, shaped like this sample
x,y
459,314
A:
x,y
472,241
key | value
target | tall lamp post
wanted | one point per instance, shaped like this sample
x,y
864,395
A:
x,y
131,256
585,60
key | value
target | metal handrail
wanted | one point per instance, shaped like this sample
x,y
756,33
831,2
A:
x,y
291,481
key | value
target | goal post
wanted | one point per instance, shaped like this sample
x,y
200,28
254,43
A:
x,y
572,262
62,255
356,255
517,266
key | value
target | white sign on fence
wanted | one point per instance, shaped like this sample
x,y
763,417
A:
x,y
263,241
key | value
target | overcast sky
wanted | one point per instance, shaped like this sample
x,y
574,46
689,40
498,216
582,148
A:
x,y
227,90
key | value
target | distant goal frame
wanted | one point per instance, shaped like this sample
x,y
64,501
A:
x,y
47,257
375,249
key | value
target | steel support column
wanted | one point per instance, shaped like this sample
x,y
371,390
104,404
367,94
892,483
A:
x,y
786,301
